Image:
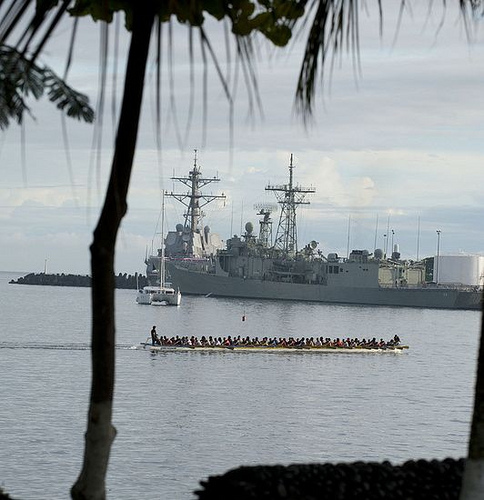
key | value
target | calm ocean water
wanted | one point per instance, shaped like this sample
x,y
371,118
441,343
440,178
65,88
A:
x,y
184,416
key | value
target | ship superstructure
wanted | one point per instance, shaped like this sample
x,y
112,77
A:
x,y
190,240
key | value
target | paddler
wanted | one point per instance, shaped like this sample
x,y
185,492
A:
x,y
154,337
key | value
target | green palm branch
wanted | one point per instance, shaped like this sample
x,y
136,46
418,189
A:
x,y
21,79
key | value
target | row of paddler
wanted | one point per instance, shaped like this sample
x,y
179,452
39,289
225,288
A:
x,y
304,342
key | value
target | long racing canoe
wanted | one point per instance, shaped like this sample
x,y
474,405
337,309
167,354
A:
x,y
274,349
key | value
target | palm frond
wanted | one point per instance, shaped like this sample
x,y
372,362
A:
x,y
334,26
12,107
14,85
67,99
20,79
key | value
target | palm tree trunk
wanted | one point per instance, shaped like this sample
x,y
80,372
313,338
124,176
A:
x,y
473,480
100,431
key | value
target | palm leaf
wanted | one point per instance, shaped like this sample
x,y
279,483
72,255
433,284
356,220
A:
x,y
67,99
20,78
12,85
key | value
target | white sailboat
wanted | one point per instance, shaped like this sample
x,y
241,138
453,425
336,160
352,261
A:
x,y
164,293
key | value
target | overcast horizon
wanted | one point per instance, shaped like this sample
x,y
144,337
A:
x,y
401,144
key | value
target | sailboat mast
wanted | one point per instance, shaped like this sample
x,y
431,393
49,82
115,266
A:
x,y
162,261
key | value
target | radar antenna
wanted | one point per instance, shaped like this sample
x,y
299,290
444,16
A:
x,y
265,224
289,196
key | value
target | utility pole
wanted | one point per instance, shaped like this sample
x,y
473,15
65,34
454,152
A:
x,y
438,257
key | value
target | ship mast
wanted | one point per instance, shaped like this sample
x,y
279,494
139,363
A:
x,y
289,196
265,224
194,200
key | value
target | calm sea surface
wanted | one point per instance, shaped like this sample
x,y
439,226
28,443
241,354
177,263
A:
x,y
184,416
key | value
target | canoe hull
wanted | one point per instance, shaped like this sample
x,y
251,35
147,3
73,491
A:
x,y
320,350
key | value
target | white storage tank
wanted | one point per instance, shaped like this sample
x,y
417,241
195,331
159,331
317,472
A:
x,y
464,269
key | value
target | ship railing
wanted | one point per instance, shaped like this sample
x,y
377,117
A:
x,y
433,286
187,259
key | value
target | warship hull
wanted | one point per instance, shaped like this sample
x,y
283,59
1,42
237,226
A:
x,y
195,282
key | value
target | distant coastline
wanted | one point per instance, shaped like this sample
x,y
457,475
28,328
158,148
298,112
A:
x,y
127,281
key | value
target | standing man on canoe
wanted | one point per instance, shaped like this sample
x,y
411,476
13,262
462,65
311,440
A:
x,y
154,337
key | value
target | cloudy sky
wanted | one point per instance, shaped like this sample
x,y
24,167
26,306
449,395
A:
x,y
397,148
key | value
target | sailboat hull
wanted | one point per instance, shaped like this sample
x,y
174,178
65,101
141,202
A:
x,y
169,296
154,295
162,293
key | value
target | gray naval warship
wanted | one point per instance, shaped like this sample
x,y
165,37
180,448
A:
x,y
253,266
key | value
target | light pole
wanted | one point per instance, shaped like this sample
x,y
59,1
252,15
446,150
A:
x,y
438,257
